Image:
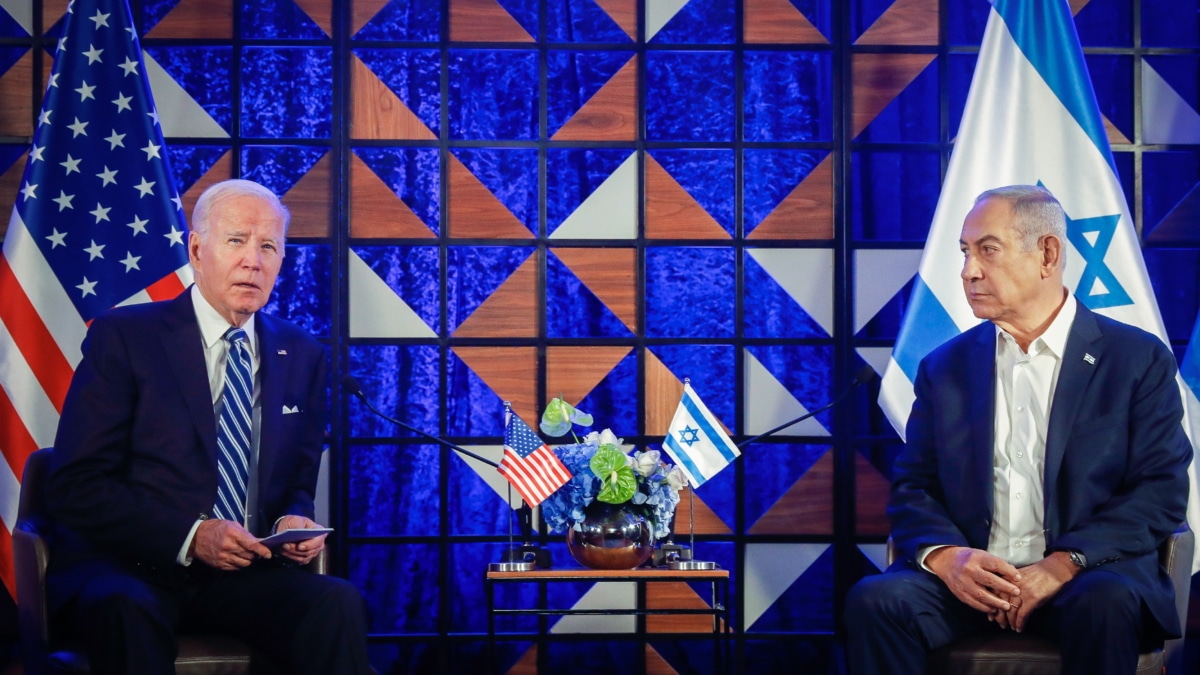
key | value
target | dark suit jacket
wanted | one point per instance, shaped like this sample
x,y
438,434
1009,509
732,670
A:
x,y
136,450
1115,473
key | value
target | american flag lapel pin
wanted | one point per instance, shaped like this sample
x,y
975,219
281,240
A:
x,y
1090,359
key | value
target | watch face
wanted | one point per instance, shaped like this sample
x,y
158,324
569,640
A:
x,y
1076,559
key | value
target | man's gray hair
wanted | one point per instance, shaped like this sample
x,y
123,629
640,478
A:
x,y
227,189
1035,211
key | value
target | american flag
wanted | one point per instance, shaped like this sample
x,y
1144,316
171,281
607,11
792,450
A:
x,y
97,223
529,464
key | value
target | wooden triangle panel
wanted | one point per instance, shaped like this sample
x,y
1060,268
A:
x,y
320,11
510,372
574,372
609,273
1115,135
376,211
475,213
1180,224
663,393
610,114
778,21
484,21
10,187
510,311
871,491
672,213
376,112
656,664
676,595
527,664
52,12
806,507
906,22
878,79
695,513
222,169
362,11
623,13
309,201
807,211
1077,5
196,19
16,108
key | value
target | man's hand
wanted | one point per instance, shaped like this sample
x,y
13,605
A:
x,y
979,579
1040,582
225,545
300,551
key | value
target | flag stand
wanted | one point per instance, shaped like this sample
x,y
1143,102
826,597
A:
x,y
685,562
527,556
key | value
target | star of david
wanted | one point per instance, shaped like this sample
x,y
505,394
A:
x,y
1098,287
689,436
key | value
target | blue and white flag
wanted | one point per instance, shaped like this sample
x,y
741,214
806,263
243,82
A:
x,y
1031,118
696,440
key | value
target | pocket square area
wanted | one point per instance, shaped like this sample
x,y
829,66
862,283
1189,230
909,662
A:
x,y
288,410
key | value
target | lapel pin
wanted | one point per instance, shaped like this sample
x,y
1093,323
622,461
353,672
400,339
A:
x,y
282,352
1090,359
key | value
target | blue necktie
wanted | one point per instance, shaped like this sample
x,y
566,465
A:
x,y
233,431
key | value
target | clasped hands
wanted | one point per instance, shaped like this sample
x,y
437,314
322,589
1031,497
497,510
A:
x,y
226,545
991,585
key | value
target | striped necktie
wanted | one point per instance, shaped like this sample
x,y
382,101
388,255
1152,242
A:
x,y
233,431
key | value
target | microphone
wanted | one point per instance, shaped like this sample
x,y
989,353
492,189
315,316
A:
x,y
864,375
351,386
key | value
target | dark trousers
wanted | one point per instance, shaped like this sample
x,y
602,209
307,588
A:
x,y
302,622
896,618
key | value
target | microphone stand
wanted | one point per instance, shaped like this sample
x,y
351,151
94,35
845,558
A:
x,y
517,558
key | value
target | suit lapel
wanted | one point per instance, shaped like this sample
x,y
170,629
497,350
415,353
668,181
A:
x,y
1073,378
271,378
182,340
981,371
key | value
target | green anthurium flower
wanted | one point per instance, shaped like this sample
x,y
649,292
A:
x,y
560,415
617,480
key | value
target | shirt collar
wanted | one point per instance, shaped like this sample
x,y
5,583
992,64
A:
x,y
1054,338
213,326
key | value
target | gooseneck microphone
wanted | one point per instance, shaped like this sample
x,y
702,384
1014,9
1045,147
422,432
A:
x,y
351,386
864,375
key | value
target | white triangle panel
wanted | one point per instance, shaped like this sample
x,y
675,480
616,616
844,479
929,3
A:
x,y
1166,117
659,12
607,595
376,310
178,112
806,274
769,404
878,275
21,11
876,553
771,569
876,357
489,474
610,212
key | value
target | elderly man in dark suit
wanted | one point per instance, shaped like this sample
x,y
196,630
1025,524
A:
x,y
1045,463
192,428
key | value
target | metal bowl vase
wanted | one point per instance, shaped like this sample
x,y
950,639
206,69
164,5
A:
x,y
611,537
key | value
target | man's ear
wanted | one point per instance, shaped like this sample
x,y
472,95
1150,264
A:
x,y
1052,254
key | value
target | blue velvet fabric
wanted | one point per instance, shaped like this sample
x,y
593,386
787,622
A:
x,y
708,176
572,78
205,73
279,20
190,162
511,175
572,310
786,96
474,273
769,176
412,272
413,75
895,193
402,381
570,21
413,175
408,20
302,290
573,175
493,95
689,96
279,167
689,292
286,92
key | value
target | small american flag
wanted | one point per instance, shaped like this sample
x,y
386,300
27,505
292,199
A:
x,y
97,223
529,464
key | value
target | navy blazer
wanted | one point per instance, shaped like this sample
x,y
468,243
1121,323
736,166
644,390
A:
x,y
136,450
1115,473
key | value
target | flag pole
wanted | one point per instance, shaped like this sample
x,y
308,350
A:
x,y
515,558
685,561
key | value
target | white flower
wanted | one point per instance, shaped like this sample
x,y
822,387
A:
x,y
607,437
645,463
676,478
592,438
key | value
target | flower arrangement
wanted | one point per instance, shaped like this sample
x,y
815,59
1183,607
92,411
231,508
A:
x,y
601,471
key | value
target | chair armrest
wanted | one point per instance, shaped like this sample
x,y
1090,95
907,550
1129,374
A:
x,y
1175,555
30,557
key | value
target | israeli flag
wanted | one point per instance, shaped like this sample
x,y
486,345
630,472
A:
x,y
696,440
1031,118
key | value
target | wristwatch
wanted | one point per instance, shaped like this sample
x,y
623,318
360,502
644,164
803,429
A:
x,y
1078,558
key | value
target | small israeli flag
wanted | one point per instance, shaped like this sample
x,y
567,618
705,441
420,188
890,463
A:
x,y
696,440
